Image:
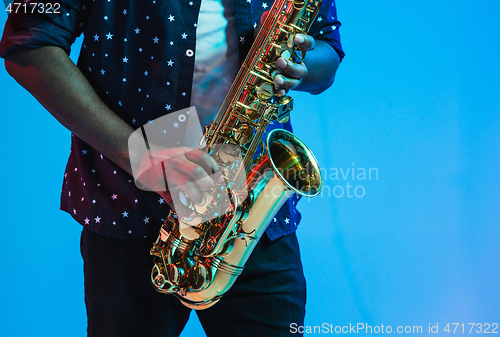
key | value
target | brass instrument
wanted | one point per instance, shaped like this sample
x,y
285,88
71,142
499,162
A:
x,y
199,262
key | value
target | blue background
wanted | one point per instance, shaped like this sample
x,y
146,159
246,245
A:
x,y
416,98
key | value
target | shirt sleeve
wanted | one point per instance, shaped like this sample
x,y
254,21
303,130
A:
x,y
55,26
326,26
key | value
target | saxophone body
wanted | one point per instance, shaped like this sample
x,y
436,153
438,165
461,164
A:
x,y
196,260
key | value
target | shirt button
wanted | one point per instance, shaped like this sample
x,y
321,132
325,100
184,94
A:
x,y
189,53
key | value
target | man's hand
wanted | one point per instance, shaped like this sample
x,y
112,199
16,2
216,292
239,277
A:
x,y
314,74
293,73
189,172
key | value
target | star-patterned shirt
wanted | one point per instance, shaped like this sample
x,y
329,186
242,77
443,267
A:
x,y
139,58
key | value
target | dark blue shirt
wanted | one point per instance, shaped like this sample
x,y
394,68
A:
x,y
139,58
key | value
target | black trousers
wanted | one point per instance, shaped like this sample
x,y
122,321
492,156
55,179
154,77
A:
x,y
120,300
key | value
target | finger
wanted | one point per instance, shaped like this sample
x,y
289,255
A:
x,y
195,172
286,83
185,184
281,92
207,162
204,160
305,42
187,162
291,69
178,204
192,192
152,178
184,212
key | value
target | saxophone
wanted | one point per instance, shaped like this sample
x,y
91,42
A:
x,y
199,261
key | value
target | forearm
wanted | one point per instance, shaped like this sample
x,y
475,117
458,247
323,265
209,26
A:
x,y
53,79
322,63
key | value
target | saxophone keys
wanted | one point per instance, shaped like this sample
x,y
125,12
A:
x,y
243,134
189,227
284,119
211,243
228,154
265,91
159,280
285,48
197,276
285,107
173,273
184,199
286,54
253,113
207,200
